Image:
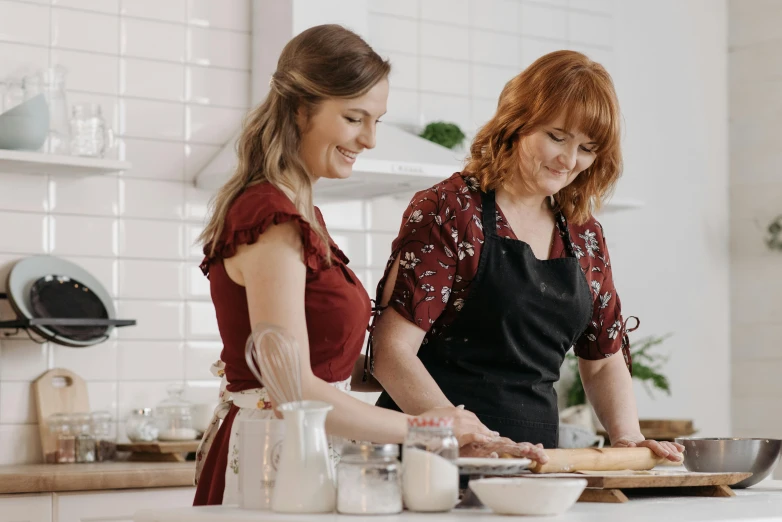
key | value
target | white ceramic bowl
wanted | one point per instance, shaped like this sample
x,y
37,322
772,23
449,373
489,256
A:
x,y
528,496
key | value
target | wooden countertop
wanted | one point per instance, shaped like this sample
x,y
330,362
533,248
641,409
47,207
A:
x,y
43,478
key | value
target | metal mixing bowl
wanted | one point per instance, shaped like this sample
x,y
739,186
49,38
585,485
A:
x,y
714,455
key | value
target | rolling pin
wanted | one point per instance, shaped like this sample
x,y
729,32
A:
x,y
597,459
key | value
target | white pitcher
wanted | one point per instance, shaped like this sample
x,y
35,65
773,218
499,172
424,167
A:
x,y
305,478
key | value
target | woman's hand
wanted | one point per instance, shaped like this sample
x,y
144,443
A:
x,y
502,447
669,450
466,426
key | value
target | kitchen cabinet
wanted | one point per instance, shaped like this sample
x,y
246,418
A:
x,y
26,508
116,505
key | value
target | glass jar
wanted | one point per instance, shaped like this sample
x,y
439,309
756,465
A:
x,y
369,480
174,416
140,426
430,481
51,83
90,136
85,440
64,439
105,437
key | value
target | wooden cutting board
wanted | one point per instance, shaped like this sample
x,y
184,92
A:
x,y
612,486
58,391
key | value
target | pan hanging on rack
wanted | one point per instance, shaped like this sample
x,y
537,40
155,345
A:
x,y
61,302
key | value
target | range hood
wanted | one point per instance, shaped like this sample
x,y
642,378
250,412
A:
x,y
400,164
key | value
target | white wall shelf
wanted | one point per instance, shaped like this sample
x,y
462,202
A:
x,y
28,162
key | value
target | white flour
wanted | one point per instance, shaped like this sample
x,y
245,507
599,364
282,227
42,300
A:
x,y
429,482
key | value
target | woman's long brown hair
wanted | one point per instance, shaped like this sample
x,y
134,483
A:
x,y
323,62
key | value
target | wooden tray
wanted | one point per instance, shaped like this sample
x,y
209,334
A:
x,y
159,451
614,486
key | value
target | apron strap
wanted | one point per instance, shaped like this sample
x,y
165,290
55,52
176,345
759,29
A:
x,y
489,218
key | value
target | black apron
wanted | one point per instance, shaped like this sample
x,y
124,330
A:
x,y
503,354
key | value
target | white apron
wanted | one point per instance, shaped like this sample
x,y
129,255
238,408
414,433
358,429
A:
x,y
252,404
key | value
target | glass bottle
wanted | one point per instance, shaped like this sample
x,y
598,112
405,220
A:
x,y
90,136
51,83
140,426
174,416
64,439
85,440
430,481
369,480
105,437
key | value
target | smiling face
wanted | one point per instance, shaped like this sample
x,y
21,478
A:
x,y
340,130
552,157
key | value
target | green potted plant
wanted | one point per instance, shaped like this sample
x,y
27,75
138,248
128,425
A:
x,y
774,237
448,135
647,368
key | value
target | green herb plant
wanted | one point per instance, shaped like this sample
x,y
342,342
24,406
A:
x,y
646,368
774,238
446,134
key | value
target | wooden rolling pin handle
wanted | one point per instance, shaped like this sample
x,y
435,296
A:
x,y
597,459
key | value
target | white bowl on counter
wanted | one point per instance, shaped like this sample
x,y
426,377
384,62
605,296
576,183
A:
x,y
528,496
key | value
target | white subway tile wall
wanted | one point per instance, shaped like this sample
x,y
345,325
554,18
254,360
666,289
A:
x,y
173,78
754,72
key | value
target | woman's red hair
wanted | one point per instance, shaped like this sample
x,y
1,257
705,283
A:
x,y
562,82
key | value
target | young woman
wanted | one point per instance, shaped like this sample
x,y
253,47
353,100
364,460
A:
x,y
500,269
270,260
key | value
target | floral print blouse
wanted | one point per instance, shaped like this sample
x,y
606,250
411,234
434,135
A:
x,y
439,245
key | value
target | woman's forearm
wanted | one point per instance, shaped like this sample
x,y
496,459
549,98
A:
x,y
377,425
407,380
609,388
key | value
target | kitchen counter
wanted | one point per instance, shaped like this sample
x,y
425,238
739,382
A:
x,y
762,502
47,478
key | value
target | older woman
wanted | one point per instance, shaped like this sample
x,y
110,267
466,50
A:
x,y
500,269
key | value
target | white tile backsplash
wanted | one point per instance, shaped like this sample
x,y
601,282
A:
x,y
22,359
590,29
167,11
151,361
218,48
196,157
148,239
81,67
223,87
19,444
105,270
495,15
161,280
83,31
493,48
153,119
17,403
151,79
488,81
29,192
199,356
446,11
201,321
156,320
208,13
212,125
84,195
445,41
445,76
152,40
143,198
160,160
405,8
385,34
102,6
91,363
86,236
24,23
23,233
544,21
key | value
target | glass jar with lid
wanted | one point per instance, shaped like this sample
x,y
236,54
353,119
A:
x,y
140,425
430,481
64,439
369,480
105,436
174,416
85,441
